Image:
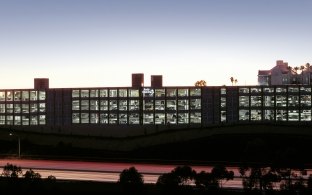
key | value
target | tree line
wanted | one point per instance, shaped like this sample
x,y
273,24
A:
x,y
185,180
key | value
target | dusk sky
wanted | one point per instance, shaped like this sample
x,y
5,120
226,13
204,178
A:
x,y
100,43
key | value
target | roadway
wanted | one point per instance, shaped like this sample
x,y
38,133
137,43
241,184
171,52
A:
x,y
101,171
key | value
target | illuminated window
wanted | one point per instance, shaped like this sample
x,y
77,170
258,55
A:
x,y
9,96
17,108
223,116
84,93
42,107
281,101
195,104
33,95
133,93
122,92
113,118
134,105
243,90
94,93
293,115
171,105
9,108
9,120
42,119
75,105
293,89
223,102
305,100
42,95
281,115
84,104
33,120
243,115
171,92
160,118
134,118
255,101
17,120
113,93
255,115
17,96
94,105
243,101
25,95
104,118
280,89
183,104
2,108
269,115
183,118
159,92
123,105
75,93
33,108
113,105
182,92
94,118
159,104
2,96
84,118
103,93
255,90
268,101
268,90
123,118
25,120
25,108
195,92
2,120
148,118
293,100
103,104
171,118
305,115
195,117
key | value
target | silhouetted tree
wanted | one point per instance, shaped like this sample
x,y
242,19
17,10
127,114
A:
x,y
13,171
219,173
177,181
206,180
169,180
31,175
232,80
296,68
131,180
201,83
260,178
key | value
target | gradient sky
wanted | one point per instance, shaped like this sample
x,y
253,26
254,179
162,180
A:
x,y
100,43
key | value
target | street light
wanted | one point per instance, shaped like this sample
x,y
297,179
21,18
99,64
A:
x,y
19,144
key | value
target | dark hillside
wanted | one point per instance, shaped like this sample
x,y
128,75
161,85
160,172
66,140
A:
x,y
257,148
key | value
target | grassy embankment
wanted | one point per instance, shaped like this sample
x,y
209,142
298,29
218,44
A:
x,y
234,143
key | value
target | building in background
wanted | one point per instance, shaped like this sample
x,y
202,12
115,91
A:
x,y
283,74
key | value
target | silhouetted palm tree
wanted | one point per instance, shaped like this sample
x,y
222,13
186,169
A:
x,y
308,70
302,68
232,80
296,68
